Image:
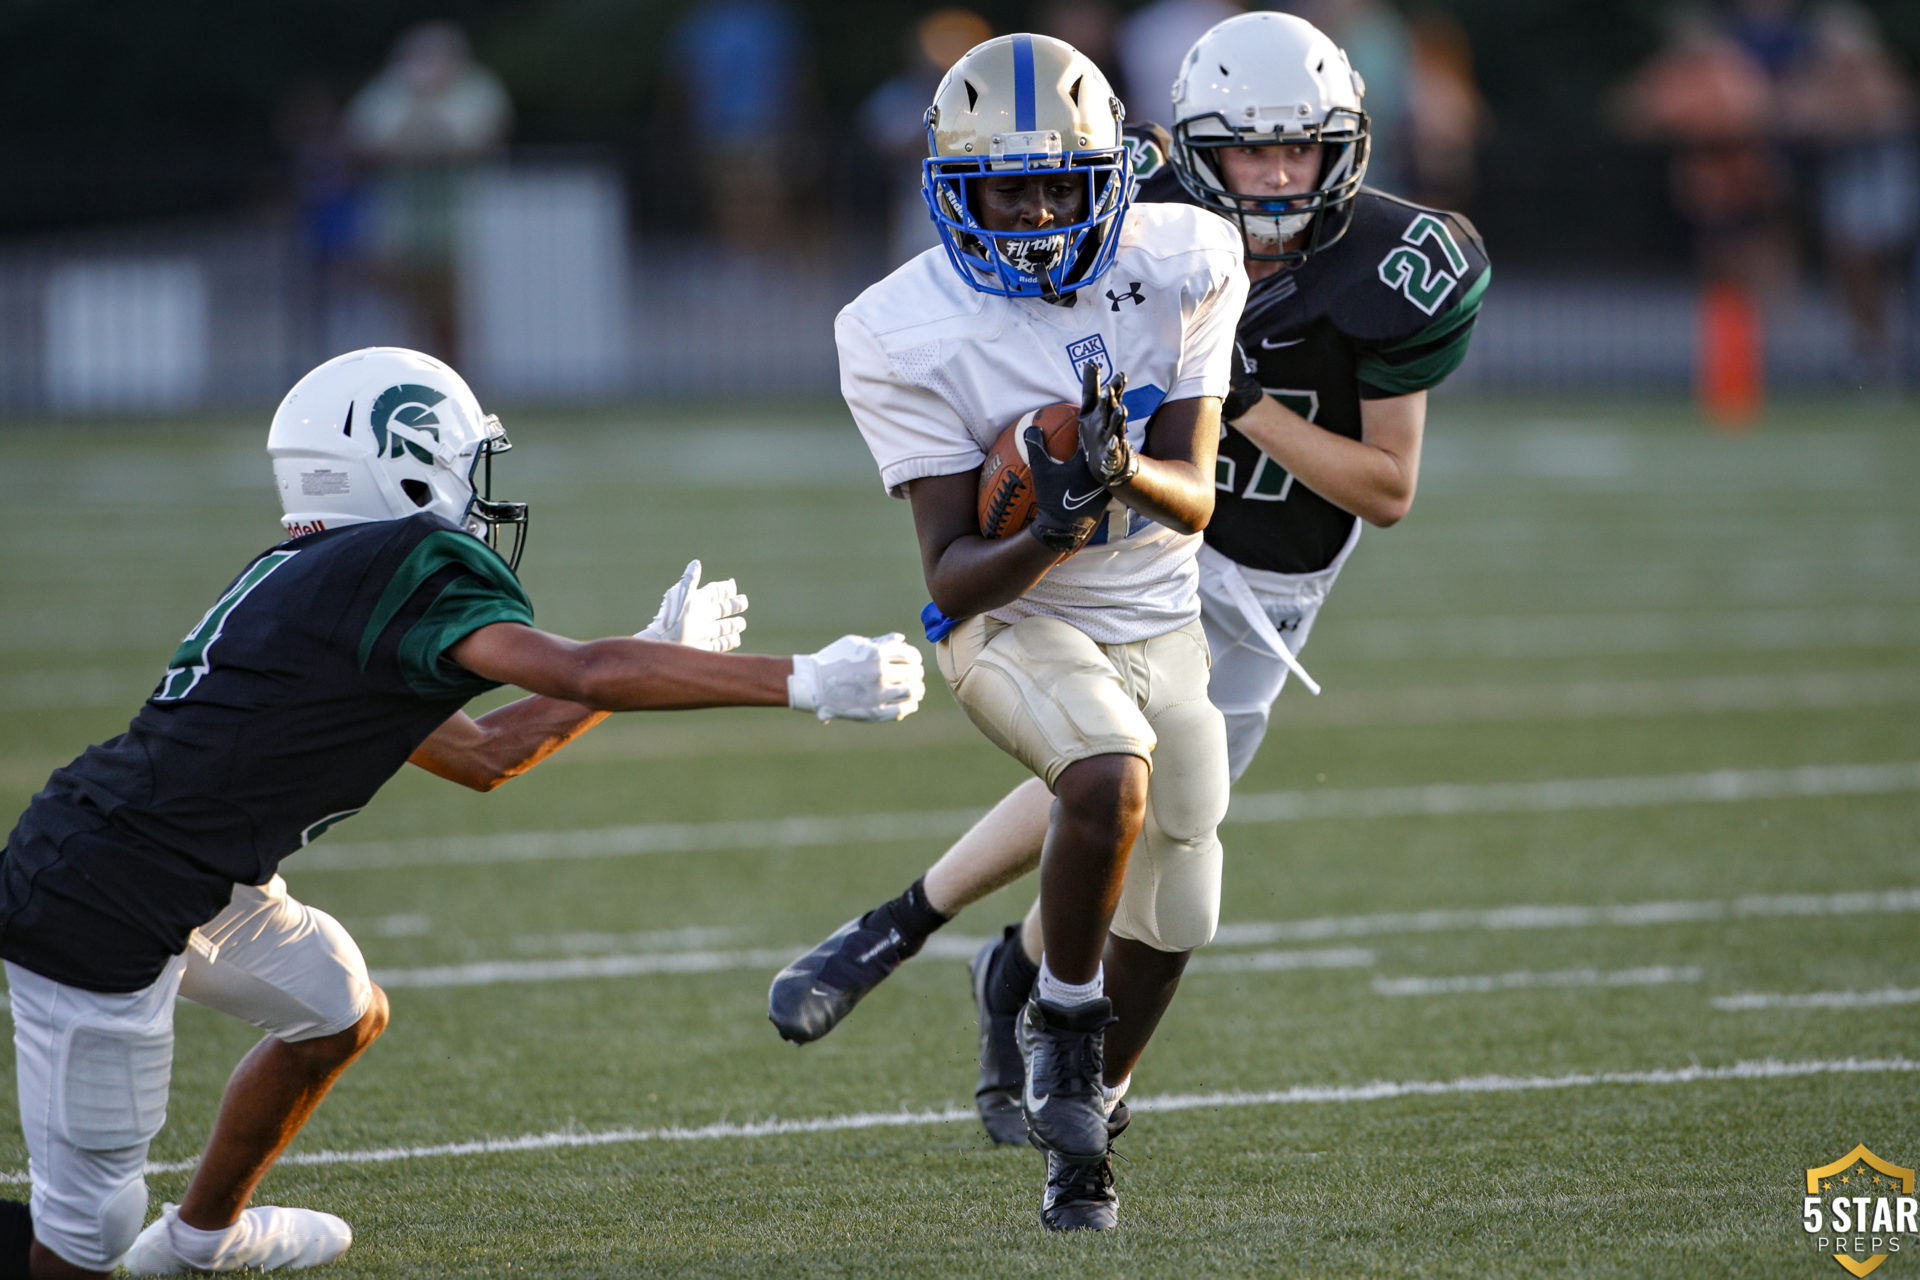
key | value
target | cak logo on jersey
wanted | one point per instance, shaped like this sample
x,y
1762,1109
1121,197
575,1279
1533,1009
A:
x,y
403,420
1094,349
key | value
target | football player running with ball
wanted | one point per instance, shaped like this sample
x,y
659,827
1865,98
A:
x,y
1075,644
1360,303
147,868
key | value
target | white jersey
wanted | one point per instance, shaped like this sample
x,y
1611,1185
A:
x,y
935,370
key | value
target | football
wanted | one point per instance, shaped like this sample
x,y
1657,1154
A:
x,y
1006,482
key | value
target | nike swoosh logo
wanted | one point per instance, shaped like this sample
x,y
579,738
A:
x,y
1269,345
1072,503
1036,1101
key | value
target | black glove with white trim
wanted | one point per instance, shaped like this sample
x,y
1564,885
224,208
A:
x,y
1244,390
1103,428
1067,501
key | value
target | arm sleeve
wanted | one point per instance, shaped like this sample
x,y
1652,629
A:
x,y
1206,354
1425,359
1413,349
910,430
448,587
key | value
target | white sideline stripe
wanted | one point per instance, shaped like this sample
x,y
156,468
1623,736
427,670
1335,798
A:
x,y
1819,999
1648,976
489,973
1375,1091
1719,786
1632,914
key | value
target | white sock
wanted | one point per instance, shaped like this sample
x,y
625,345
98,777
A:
x,y
1069,995
204,1249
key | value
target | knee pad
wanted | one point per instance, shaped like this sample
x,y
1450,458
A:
x,y
121,1218
1185,906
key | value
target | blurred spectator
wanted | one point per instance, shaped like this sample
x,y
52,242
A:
x,y
327,196
1150,44
1773,32
892,121
422,124
1710,100
1446,117
1851,99
738,69
1377,42
1091,27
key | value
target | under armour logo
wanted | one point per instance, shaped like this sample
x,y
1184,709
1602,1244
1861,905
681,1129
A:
x,y
1132,294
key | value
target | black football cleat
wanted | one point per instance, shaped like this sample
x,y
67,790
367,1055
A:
x,y
1001,1071
1081,1197
810,996
1063,1051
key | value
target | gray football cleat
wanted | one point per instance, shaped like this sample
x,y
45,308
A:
x,y
1001,1072
1063,1051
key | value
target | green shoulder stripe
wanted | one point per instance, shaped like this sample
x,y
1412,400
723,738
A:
x,y
484,593
1425,359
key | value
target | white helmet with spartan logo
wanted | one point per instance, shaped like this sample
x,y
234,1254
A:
x,y
382,433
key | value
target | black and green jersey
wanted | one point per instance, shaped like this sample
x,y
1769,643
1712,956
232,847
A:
x,y
301,691
1386,311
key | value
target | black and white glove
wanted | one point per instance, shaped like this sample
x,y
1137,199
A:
x,y
710,617
1103,428
1067,501
857,678
1243,389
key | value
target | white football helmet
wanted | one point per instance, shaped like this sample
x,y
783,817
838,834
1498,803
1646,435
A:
x,y
1025,104
382,433
1261,79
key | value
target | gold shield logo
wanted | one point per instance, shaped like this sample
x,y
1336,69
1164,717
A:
x,y
1859,1204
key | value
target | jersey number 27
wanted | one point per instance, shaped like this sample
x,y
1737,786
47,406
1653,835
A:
x,y
1270,482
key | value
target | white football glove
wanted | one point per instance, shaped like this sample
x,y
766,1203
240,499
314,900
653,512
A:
x,y
856,678
710,617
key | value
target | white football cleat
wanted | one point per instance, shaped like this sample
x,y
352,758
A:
x,y
268,1238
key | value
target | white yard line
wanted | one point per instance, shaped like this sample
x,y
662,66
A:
x,y
1249,934
1629,914
1439,800
490,973
1818,999
1520,979
1296,1095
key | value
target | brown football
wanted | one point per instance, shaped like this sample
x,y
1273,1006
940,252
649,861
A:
x,y
1006,483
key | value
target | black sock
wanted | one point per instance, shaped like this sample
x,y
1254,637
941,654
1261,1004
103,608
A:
x,y
1010,984
910,915
16,1240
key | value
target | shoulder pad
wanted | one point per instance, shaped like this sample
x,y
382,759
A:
x,y
1148,147
1400,267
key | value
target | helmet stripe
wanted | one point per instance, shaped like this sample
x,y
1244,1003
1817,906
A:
x,y
1023,83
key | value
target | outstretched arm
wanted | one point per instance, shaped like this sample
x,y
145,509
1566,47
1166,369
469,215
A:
x,y
504,743
1373,477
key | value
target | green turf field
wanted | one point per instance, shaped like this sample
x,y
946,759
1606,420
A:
x,y
1563,934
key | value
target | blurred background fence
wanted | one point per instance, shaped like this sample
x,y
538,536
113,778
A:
x,y
582,201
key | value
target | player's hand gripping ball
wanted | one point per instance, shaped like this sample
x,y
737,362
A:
x,y
1006,481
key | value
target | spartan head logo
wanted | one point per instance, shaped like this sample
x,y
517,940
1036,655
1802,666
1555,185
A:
x,y
403,421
